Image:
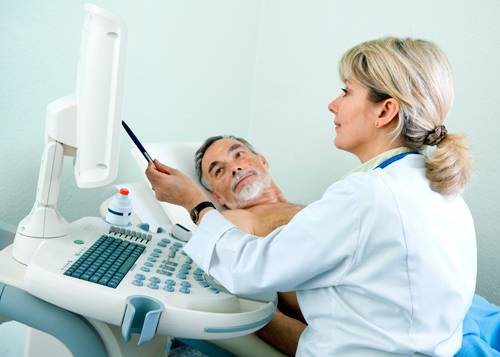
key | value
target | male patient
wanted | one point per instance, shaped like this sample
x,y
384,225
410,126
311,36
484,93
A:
x,y
238,178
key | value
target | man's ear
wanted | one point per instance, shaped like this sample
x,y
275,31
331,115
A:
x,y
217,198
386,112
264,161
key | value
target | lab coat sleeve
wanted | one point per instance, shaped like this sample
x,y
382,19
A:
x,y
314,250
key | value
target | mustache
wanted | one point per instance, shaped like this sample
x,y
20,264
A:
x,y
239,175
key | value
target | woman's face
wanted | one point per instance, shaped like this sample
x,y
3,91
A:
x,y
355,118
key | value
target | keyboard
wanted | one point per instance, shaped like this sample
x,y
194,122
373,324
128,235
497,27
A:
x,y
94,270
106,262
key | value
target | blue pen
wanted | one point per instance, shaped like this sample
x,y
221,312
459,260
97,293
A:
x,y
137,142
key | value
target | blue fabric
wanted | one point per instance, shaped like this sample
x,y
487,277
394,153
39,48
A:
x,y
481,330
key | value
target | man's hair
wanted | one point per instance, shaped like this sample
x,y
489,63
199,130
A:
x,y
198,157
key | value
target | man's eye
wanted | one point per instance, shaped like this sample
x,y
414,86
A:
x,y
345,91
218,171
239,153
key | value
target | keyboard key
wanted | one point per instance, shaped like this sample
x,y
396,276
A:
x,y
213,290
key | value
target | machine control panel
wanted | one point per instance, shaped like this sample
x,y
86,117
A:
x,y
100,266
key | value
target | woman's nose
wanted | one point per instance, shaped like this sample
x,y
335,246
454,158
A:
x,y
334,106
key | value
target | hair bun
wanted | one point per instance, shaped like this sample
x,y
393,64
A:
x,y
436,136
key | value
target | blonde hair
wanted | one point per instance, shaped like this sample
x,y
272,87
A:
x,y
417,74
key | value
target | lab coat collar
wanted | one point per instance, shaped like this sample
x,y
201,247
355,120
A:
x,y
377,160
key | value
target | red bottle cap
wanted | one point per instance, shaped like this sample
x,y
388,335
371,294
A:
x,y
124,191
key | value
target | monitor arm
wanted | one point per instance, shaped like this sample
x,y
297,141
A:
x,y
44,220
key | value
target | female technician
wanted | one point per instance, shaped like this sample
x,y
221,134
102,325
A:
x,y
385,262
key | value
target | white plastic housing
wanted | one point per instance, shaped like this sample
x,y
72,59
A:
x,y
44,221
103,54
60,124
86,125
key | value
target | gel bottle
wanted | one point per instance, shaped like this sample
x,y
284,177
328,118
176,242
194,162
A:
x,y
120,209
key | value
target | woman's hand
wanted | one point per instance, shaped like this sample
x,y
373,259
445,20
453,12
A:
x,y
172,186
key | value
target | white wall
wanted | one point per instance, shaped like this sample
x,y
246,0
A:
x,y
265,70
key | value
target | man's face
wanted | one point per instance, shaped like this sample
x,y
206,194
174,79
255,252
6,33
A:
x,y
237,175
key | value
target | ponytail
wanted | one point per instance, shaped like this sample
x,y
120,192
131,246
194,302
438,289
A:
x,y
450,167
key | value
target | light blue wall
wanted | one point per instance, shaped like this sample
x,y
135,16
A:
x,y
189,75
265,70
297,77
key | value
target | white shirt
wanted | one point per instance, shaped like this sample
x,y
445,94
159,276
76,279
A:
x,y
382,264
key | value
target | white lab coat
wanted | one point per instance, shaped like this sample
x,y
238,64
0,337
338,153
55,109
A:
x,y
382,264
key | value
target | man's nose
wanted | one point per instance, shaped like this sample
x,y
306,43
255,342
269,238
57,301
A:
x,y
236,169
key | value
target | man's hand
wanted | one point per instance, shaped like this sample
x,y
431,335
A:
x,y
172,186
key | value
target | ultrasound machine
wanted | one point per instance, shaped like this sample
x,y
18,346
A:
x,y
99,288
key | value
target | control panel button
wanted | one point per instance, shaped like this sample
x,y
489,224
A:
x,y
169,288
137,282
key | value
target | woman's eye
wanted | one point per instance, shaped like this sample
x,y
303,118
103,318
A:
x,y
345,91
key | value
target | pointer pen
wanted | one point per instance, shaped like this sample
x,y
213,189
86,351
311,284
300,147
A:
x,y
137,142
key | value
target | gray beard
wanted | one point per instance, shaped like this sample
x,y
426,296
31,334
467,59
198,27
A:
x,y
249,192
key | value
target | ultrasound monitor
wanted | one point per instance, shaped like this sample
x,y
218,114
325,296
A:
x,y
85,125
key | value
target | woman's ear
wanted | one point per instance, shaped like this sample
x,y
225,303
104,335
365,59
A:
x,y
387,111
